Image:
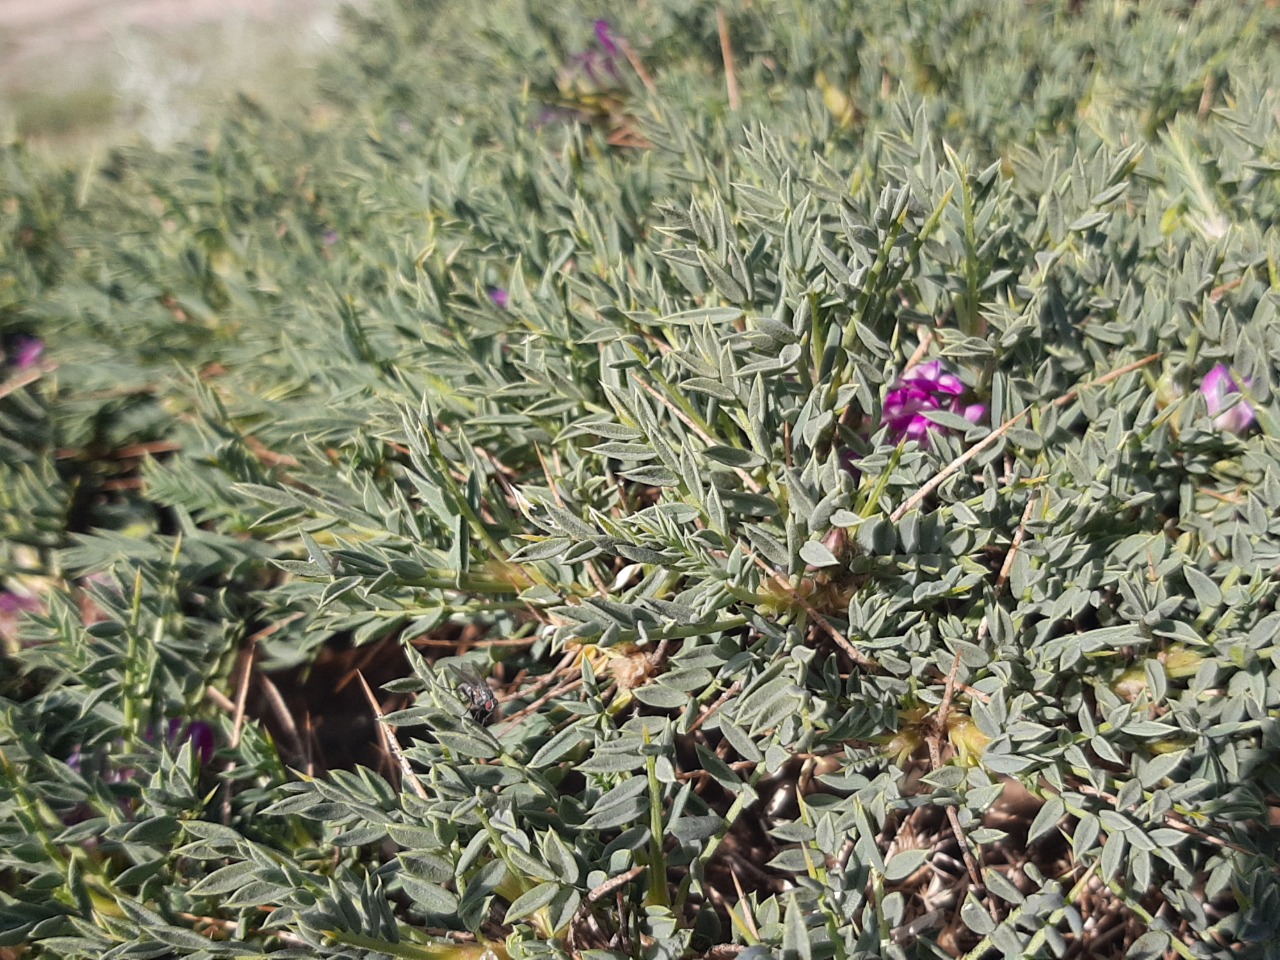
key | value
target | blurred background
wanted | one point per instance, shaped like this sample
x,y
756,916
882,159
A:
x,y
75,74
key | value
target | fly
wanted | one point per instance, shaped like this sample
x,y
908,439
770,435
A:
x,y
481,703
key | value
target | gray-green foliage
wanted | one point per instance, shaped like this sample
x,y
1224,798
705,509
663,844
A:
x,y
640,459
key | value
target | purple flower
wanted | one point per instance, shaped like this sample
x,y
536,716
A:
x,y
552,116
12,607
26,351
330,238
593,71
12,603
1217,388
198,733
500,297
928,387
604,34
587,63
849,464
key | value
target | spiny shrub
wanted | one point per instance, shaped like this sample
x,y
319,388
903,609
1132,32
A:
x,y
737,479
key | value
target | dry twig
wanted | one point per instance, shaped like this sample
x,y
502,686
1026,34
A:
x,y
389,741
726,52
844,643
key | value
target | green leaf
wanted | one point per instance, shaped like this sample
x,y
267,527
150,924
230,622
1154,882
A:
x,y
558,746
471,745
976,917
654,476
660,696
547,548
712,388
903,864
1207,594
796,941
531,901
623,451
225,880
428,897
734,457
817,554
712,315
1047,817
623,804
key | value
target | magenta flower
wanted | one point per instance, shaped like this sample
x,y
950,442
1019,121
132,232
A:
x,y
604,34
1217,387
928,387
501,298
25,352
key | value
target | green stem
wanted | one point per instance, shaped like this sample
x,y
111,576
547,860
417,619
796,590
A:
x,y
130,679
658,892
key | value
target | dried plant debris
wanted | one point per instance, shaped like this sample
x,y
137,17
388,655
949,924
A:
x,y
716,482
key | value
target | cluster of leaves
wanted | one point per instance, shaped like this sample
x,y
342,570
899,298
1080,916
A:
x,y
579,379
